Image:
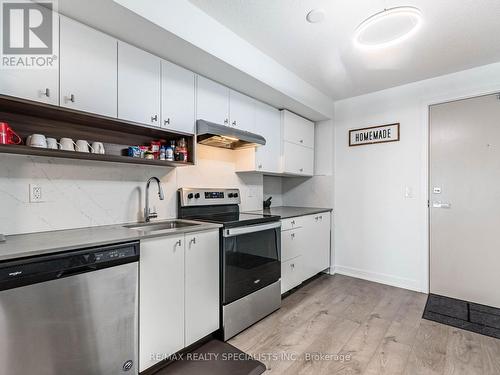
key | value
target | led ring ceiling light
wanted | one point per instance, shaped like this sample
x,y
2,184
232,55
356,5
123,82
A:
x,y
387,28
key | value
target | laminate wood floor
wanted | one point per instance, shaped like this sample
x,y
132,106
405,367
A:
x,y
342,325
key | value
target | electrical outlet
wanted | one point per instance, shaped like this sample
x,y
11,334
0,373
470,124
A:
x,y
36,195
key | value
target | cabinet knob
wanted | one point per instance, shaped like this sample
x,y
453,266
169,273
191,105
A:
x,y
46,93
178,243
154,118
260,166
293,222
292,235
301,141
226,121
167,121
234,123
70,98
193,240
301,169
316,218
292,265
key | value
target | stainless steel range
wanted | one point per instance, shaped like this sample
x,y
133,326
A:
x,y
250,255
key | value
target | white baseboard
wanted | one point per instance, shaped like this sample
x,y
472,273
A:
x,y
381,278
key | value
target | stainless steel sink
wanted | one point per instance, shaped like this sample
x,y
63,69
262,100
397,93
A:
x,y
164,225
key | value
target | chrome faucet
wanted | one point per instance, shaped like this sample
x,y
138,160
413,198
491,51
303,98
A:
x,y
148,215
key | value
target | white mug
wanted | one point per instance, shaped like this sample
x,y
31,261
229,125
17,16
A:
x,y
98,148
52,143
37,140
83,146
67,144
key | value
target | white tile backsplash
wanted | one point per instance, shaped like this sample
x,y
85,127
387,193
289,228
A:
x,y
85,193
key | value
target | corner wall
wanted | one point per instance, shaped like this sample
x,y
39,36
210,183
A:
x,y
379,234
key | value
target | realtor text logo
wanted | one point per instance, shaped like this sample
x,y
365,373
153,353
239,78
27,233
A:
x,y
28,34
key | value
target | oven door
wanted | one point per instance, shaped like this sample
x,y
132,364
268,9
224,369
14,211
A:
x,y
251,259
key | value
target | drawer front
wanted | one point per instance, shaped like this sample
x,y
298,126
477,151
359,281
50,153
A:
x,y
298,130
298,160
291,223
291,244
291,274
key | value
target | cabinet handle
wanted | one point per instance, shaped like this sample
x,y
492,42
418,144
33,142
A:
x,y
260,166
193,241
293,222
301,169
226,121
321,217
70,98
316,218
46,93
167,121
234,123
178,243
301,141
154,118
292,235
292,265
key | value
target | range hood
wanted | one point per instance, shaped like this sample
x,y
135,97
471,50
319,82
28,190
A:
x,y
211,134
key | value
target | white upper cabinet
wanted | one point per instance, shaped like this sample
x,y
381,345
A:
x,y
297,129
139,82
41,85
178,98
212,102
241,111
298,160
88,69
266,158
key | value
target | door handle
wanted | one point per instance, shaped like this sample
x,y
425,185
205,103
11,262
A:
x,y
439,204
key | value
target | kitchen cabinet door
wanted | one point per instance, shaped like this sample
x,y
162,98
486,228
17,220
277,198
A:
x,y
139,82
40,85
291,274
88,69
316,244
241,111
297,129
298,160
267,124
291,243
178,98
212,103
161,299
202,285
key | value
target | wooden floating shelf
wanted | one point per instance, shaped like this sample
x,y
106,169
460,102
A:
x,y
34,151
26,117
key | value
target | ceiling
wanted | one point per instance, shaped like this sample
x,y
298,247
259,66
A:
x,y
456,35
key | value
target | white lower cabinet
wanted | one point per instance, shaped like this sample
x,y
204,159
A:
x,y
305,248
178,293
202,285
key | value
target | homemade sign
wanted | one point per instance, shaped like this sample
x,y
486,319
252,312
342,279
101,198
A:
x,y
374,134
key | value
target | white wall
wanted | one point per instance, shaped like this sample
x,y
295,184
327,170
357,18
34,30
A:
x,y
378,233
84,193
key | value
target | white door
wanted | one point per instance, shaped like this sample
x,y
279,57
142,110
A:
x,y
88,69
41,85
212,102
465,200
241,111
202,285
139,82
267,124
298,159
316,244
178,98
161,299
297,129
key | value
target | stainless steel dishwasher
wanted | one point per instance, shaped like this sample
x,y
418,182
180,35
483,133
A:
x,y
70,313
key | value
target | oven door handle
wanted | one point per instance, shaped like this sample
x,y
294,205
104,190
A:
x,y
250,229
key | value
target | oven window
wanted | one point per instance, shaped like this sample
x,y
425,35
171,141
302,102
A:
x,y
251,262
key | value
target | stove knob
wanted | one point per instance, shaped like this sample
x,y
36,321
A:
x,y
197,195
230,195
235,195
190,196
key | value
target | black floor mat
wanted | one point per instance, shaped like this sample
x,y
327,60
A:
x,y
470,316
215,358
